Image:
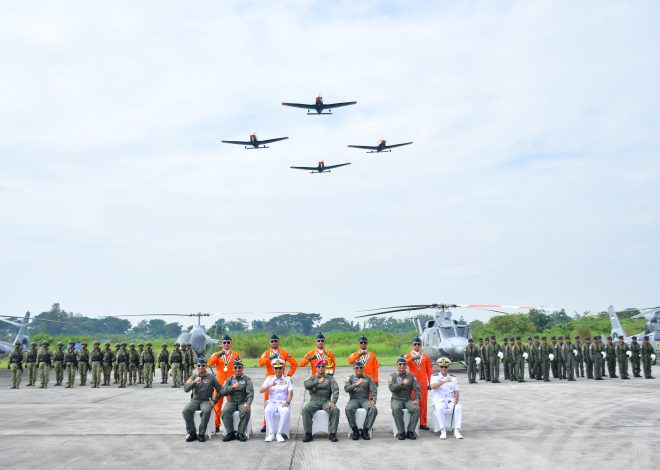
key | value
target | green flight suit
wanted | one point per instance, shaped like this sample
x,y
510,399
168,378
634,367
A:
x,y
610,349
561,365
518,361
484,371
506,360
635,359
588,359
401,398
554,363
238,398
470,355
16,365
622,359
44,361
569,355
96,357
71,364
494,361
579,359
361,396
647,350
597,360
58,365
544,358
202,395
321,395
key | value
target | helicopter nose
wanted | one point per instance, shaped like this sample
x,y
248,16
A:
x,y
455,347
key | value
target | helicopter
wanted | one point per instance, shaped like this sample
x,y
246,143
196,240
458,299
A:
x,y
21,337
652,328
444,336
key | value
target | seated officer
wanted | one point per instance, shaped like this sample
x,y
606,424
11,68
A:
x,y
323,395
363,392
445,398
280,394
239,388
403,384
202,385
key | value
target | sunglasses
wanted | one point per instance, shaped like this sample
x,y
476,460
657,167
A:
x,y
363,342
358,367
417,344
238,367
320,341
444,367
226,342
278,367
274,341
201,365
320,367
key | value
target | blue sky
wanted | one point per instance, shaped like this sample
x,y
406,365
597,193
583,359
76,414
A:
x,y
532,180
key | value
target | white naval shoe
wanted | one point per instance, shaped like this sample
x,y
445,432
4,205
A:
x,y
280,438
443,434
457,434
269,438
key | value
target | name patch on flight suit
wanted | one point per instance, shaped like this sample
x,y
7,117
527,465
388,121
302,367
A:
x,y
399,379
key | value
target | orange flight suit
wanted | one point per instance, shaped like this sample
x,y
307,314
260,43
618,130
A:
x,y
224,368
421,368
265,360
315,355
370,363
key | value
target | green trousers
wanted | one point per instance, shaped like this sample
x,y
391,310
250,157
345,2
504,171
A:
x,y
44,373
397,411
97,367
188,412
148,373
353,405
59,372
70,374
123,374
176,374
32,373
163,372
228,417
82,370
107,369
16,374
132,373
623,367
312,407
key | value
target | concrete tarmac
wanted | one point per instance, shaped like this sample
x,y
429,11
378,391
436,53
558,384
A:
x,y
534,425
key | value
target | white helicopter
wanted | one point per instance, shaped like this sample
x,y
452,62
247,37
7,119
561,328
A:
x,y
652,328
443,336
21,337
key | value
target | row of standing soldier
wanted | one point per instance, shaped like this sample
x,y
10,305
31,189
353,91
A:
x,y
565,359
130,366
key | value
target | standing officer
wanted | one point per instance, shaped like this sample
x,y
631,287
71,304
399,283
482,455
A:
x,y
133,364
141,366
471,353
108,359
241,393
31,362
517,352
44,362
445,397
163,363
176,359
266,360
610,349
495,353
635,357
536,358
320,354
554,362
530,358
588,359
71,364
404,386
570,353
191,358
223,361
58,364
122,362
482,361
185,362
16,365
367,358
147,360
544,357
622,353
579,359
561,367
116,365
363,392
419,365
647,357
323,395
83,363
202,385
506,358
596,350
96,357
280,391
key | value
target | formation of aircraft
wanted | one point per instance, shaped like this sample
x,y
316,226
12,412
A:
x,y
320,168
319,106
443,336
381,147
254,143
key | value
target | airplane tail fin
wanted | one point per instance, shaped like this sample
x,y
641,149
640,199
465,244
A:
x,y
617,329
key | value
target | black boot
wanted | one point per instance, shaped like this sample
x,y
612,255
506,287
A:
x,y
191,437
365,434
308,437
332,437
356,433
242,437
411,435
229,437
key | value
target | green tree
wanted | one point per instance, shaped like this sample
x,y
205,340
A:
x,y
514,324
338,324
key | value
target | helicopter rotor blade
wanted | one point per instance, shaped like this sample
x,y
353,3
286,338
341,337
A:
x,y
398,306
423,307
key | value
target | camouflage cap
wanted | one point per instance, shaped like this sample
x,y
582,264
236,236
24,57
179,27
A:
x,y
17,343
117,345
97,343
140,345
107,343
84,344
72,342
45,343
124,344
176,345
132,345
149,343
33,344
164,345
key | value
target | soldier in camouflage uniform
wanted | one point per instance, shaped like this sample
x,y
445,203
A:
x,y
96,358
115,367
579,359
31,364
148,359
163,363
45,362
518,361
241,392
403,386
202,386
140,365
363,392
83,363
323,395
635,357
185,362
610,349
71,364
108,360
569,354
15,363
596,350
647,351
58,364
176,360
122,361
470,356
622,352
544,358
133,364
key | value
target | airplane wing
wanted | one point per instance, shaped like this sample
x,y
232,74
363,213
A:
x,y
338,105
327,167
269,141
365,147
312,168
397,145
237,142
300,105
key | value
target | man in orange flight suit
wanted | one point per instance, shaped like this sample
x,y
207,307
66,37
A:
x,y
420,366
320,354
266,360
223,361
367,357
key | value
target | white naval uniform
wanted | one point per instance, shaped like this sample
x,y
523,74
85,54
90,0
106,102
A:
x,y
277,397
443,400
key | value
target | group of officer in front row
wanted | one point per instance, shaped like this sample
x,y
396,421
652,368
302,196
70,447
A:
x,y
564,358
130,366
409,386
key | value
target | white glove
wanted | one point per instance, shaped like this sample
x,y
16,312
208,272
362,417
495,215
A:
x,y
500,354
551,357
628,353
575,352
525,355
478,360
653,357
604,354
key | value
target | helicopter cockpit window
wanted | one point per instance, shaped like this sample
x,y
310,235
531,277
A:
x,y
448,332
461,330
